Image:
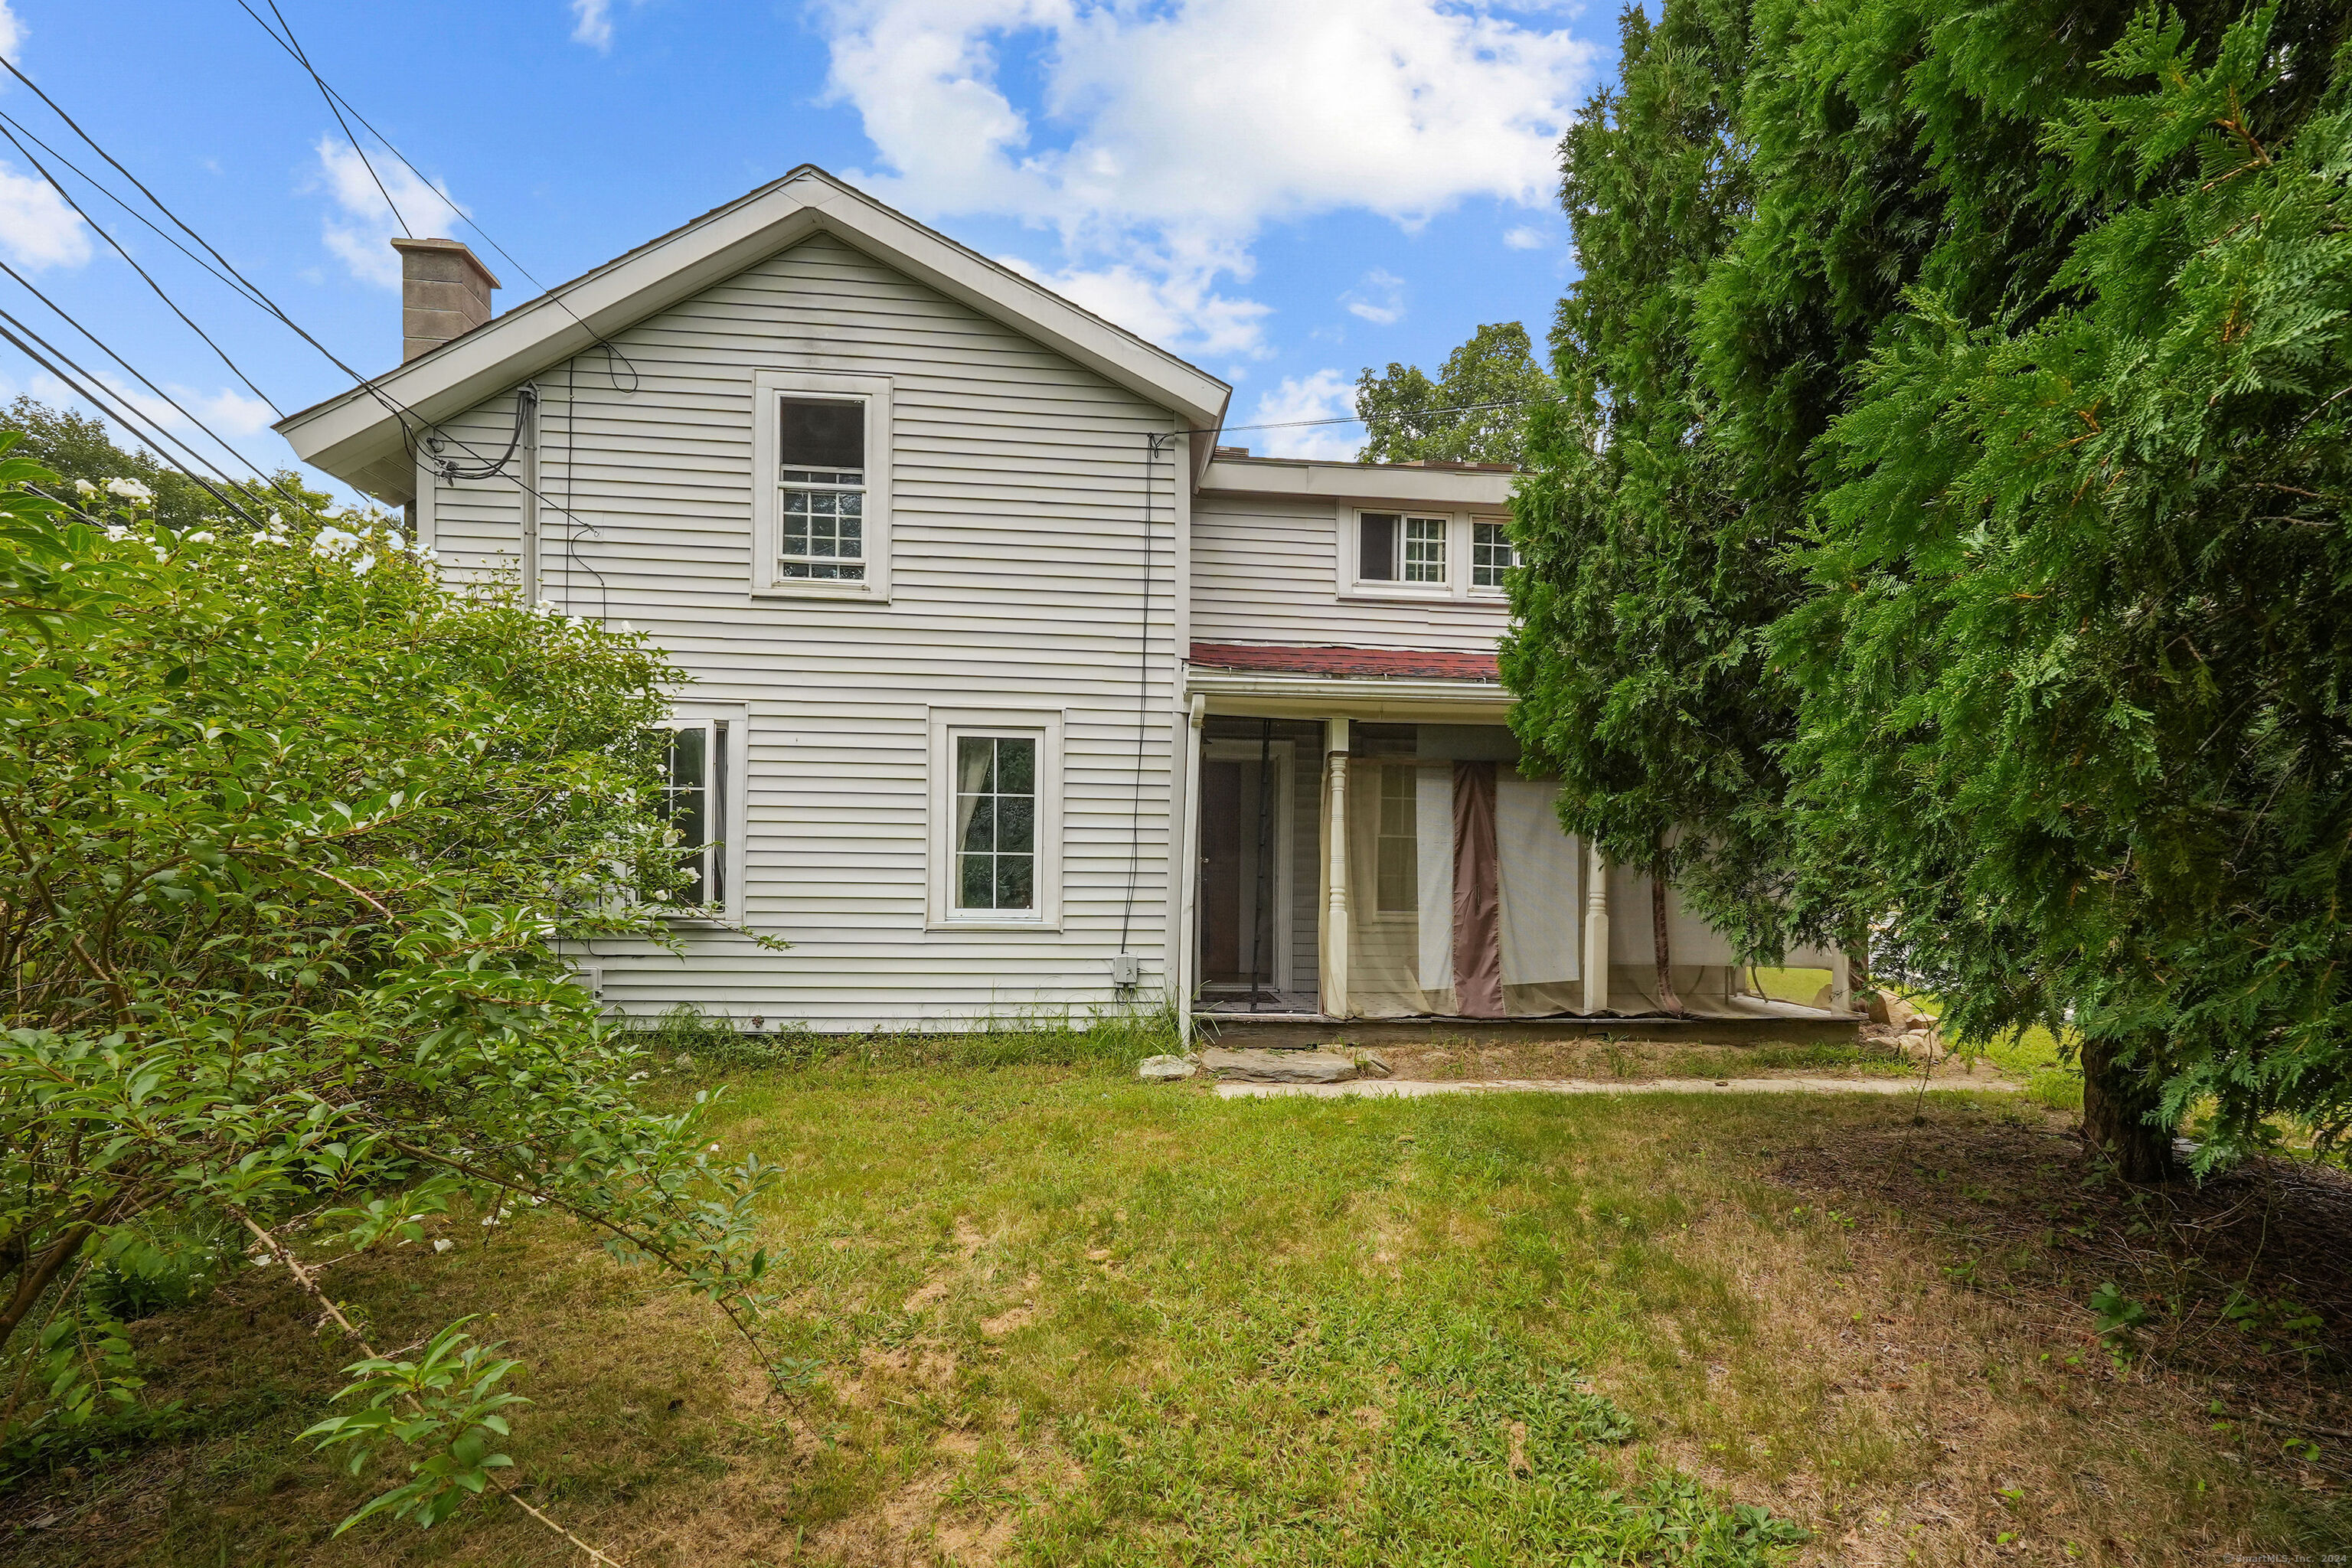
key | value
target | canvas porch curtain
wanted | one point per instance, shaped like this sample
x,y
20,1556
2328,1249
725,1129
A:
x,y
1465,897
1465,900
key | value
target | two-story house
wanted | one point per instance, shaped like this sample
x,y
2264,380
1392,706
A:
x,y
1012,689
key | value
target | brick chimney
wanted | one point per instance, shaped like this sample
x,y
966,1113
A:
x,y
444,292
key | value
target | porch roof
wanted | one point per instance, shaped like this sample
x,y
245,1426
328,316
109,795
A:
x,y
1349,663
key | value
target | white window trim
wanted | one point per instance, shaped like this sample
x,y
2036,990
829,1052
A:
x,y
1044,725
1469,543
1349,525
768,386
728,805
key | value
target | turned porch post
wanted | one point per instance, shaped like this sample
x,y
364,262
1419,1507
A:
x,y
1334,917
1596,931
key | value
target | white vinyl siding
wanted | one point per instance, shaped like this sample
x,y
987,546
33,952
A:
x,y
1268,571
1017,553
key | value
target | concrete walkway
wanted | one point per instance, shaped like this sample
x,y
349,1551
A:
x,y
1411,1089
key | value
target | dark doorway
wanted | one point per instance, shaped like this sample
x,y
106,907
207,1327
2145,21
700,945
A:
x,y
1243,917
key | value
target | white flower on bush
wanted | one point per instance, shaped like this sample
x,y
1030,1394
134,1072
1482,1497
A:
x,y
202,536
85,489
364,564
117,532
333,540
130,491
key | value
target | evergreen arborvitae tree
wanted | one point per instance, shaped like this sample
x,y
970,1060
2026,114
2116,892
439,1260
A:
x,y
2076,665
1645,580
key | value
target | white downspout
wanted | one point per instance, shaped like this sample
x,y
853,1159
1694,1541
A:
x,y
1187,935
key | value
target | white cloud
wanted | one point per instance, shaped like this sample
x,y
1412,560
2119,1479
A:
x,y
592,23
1165,136
227,412
1325,395
361,233
36,228
12,31
1527,236
1379,299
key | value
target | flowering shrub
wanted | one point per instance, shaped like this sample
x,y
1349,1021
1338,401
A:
x,y
291,836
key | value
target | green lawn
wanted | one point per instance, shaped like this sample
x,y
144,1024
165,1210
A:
x,y
1066,1319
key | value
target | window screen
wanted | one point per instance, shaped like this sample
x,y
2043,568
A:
x,y
1396,884
823,438
996,822
1376,556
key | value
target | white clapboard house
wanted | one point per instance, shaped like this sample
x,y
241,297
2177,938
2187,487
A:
x,y
1013,690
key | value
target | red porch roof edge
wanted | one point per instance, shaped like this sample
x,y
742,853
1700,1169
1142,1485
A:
x,y
1413,664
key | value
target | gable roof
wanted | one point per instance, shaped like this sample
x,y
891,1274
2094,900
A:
x,y
359,439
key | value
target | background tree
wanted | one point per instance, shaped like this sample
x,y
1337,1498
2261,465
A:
x,y
1475,411
77,446
1646,582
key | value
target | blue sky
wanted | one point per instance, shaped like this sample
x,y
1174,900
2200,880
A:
x,y
1282,191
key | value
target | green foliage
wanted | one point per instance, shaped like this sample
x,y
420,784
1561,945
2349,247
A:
x,y
2076,662
445,1404
2117,1319
76,449
1475,411
294,836
1638,658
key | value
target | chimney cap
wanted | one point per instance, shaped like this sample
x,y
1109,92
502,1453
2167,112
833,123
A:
x,y
457,248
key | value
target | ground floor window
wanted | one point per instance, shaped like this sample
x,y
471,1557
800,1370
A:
x,y
995,817
701,784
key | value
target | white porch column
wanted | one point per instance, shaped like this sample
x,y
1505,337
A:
x,y
1187,944
1840,982
1335,919
1596,933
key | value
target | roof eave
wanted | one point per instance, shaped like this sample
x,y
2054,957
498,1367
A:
x,y
358,436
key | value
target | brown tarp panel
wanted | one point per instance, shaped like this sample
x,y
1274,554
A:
x,y
1477,895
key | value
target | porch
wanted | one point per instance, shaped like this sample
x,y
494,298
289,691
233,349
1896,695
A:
x,y
1368,865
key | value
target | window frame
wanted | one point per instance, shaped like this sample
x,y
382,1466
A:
x,y
1378,914
948,725
726,805
1461,533
1476,589
769,388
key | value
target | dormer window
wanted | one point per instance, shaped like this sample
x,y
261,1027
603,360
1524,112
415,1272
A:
x,y
1397,547
821,444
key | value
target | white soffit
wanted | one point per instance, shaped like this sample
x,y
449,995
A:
x,y
357,438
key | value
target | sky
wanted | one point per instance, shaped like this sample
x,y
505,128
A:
x,y
1284,192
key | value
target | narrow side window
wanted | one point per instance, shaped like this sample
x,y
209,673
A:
x,y
1490,554
694,796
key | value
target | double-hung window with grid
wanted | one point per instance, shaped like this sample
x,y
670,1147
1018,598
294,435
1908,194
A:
x,y
1490,553
821,496
1391,547
996,822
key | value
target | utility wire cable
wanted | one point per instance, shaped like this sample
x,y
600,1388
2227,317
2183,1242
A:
x,y
42,169
168,237
397,216
62,314
103,347
89,388
611,352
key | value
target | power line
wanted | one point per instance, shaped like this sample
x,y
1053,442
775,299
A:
x,y
612,352
56,186
66,317
397,216
1355,418
88,386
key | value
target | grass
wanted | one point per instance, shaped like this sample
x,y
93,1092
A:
x,y
1067,1318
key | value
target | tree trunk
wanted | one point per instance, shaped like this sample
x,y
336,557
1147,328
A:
x,y
2116,1104
1667,997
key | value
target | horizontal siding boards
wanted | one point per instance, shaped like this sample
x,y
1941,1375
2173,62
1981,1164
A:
x,y
1018,549
1266,571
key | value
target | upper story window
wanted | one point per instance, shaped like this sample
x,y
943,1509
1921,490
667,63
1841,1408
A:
x,y
1398,547
821,444
1490,553
821,450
